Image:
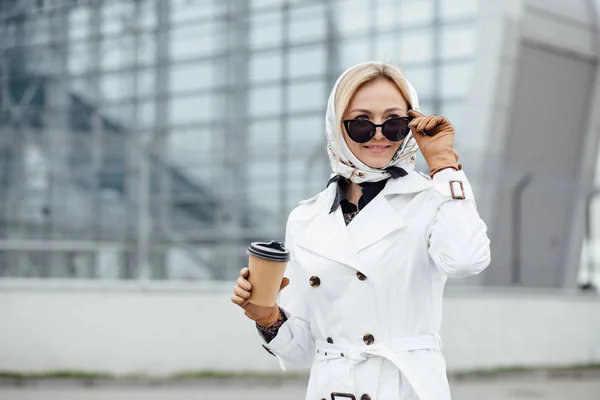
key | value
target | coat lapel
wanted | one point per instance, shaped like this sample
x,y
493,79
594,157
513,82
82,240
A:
x,y
379,219
326,234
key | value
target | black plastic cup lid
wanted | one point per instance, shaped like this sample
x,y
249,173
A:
x,y
272,251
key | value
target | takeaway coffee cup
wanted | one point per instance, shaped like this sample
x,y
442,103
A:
x,y
267,264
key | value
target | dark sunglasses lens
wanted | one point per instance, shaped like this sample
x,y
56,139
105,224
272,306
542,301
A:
x,y
360,131
395,129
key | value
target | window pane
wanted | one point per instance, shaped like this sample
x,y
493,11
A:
x,y
427,108
306,96
266,30
117,113
422,80
147,49
191,108
415,12
79,58
115,17
264,196
36,30
265,100
388,12
120,114
79,22
185,10
304,133
146,86
264,178
116,87
458,41
352,17
259,171
307,23
82,85
265,67
297,170
456,80
307,61
264,3
264,137
191,147
298,181
454,111
452,9
416,46
205,174
353,52
117,52
146,114
264,186
387,47
185,77
147,18
195,40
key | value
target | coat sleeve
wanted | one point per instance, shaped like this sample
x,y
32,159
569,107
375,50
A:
x,y
458,241
294,343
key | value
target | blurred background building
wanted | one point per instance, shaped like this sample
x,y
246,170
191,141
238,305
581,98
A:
x,y
156,139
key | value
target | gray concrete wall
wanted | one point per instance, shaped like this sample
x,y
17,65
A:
x,y
160,329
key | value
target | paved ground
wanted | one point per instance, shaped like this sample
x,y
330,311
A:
x,y
499,389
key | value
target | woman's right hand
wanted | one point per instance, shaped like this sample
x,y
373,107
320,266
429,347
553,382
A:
x,y
263,316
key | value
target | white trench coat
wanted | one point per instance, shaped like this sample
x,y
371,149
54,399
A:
x,y
364,304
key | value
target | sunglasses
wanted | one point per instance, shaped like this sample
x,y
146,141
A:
x,y
361,130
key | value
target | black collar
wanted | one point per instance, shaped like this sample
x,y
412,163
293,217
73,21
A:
x,y
369,192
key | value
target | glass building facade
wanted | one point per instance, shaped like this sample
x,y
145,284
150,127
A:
x,y
156,139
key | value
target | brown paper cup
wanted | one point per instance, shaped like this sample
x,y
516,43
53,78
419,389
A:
x,y
265,277
267,263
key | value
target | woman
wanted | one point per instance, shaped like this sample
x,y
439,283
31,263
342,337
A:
x,y
371,254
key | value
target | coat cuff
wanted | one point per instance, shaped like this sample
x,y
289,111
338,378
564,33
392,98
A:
x,y
283,338
453,184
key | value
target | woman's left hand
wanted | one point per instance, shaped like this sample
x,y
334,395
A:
x,y
435,136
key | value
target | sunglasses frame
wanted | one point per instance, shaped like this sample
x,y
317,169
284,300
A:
x,y
347,122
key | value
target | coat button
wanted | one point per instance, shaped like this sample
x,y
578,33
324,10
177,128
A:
x,y
329,340
368,339
361,276
315,281
365,397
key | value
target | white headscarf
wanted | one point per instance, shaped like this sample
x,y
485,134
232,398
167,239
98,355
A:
x,y
346,163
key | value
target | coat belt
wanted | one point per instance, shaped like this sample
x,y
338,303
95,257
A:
x,y
391,350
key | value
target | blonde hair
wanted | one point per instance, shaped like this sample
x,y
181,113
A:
x,y
358,77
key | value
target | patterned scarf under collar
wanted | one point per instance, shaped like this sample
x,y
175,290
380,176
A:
x,y
346,163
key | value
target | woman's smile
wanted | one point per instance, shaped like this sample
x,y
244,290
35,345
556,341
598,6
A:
x,y
378,148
